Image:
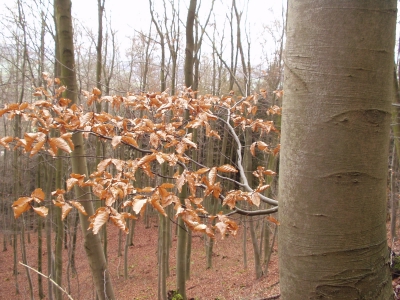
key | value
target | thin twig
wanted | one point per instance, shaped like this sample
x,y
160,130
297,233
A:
x,y
45,276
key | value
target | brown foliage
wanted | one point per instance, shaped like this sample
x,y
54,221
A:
x,y
167,141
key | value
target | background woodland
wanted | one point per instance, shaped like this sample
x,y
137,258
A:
x,y
176,138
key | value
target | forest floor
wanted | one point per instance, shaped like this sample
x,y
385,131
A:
x,y
228,279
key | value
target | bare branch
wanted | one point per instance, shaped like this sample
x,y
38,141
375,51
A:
x,y
41,274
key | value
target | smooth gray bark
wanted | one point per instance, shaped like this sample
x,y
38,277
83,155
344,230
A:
x,y
335,138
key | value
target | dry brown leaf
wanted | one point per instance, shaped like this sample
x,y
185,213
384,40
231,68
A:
x,y
202,171
255,199
147,189
116,140
210,232
99,219
212,175
118,163
160,158
127,203
127,215
167,185
139,206
262,188
29,139
40,141
83,119
227,225
253,149
222,227
154,140
68,138
146,159
71,182
5,140
200,227
64,102
213,133
38,195
59,143
58,192
273,220
180,148
169,200
262,146
101,167
191,183
277,149
23,105
227,169
230,200
181,181
157,205
269,172
96,91
195,200
21,205
65,209
189,142
217,190
79,207
129,141
119,221
59,201
41,211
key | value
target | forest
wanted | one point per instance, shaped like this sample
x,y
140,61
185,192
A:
x,y
202,150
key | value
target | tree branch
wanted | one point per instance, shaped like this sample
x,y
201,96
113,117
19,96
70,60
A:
x,y
55,283
239,163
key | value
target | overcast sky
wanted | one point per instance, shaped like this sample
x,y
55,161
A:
x,y
128,16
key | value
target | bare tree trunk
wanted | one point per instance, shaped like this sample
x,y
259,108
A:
x,y
162,258
17,133
247,165
162,45
94,251
99,47
39,233
58,261
394,202
109,70
244,248
256,249
73,247
189,50
240,48
48,226
396,154
25,260
234,56
181,254
172,35
334,150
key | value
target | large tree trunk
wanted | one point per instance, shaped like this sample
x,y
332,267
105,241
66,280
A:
x,y
92,246
335,138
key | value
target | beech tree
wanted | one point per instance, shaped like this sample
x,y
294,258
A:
x,y
335,137
93,247
334,152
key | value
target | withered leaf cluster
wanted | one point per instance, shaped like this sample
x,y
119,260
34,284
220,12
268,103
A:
x,y
162,127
